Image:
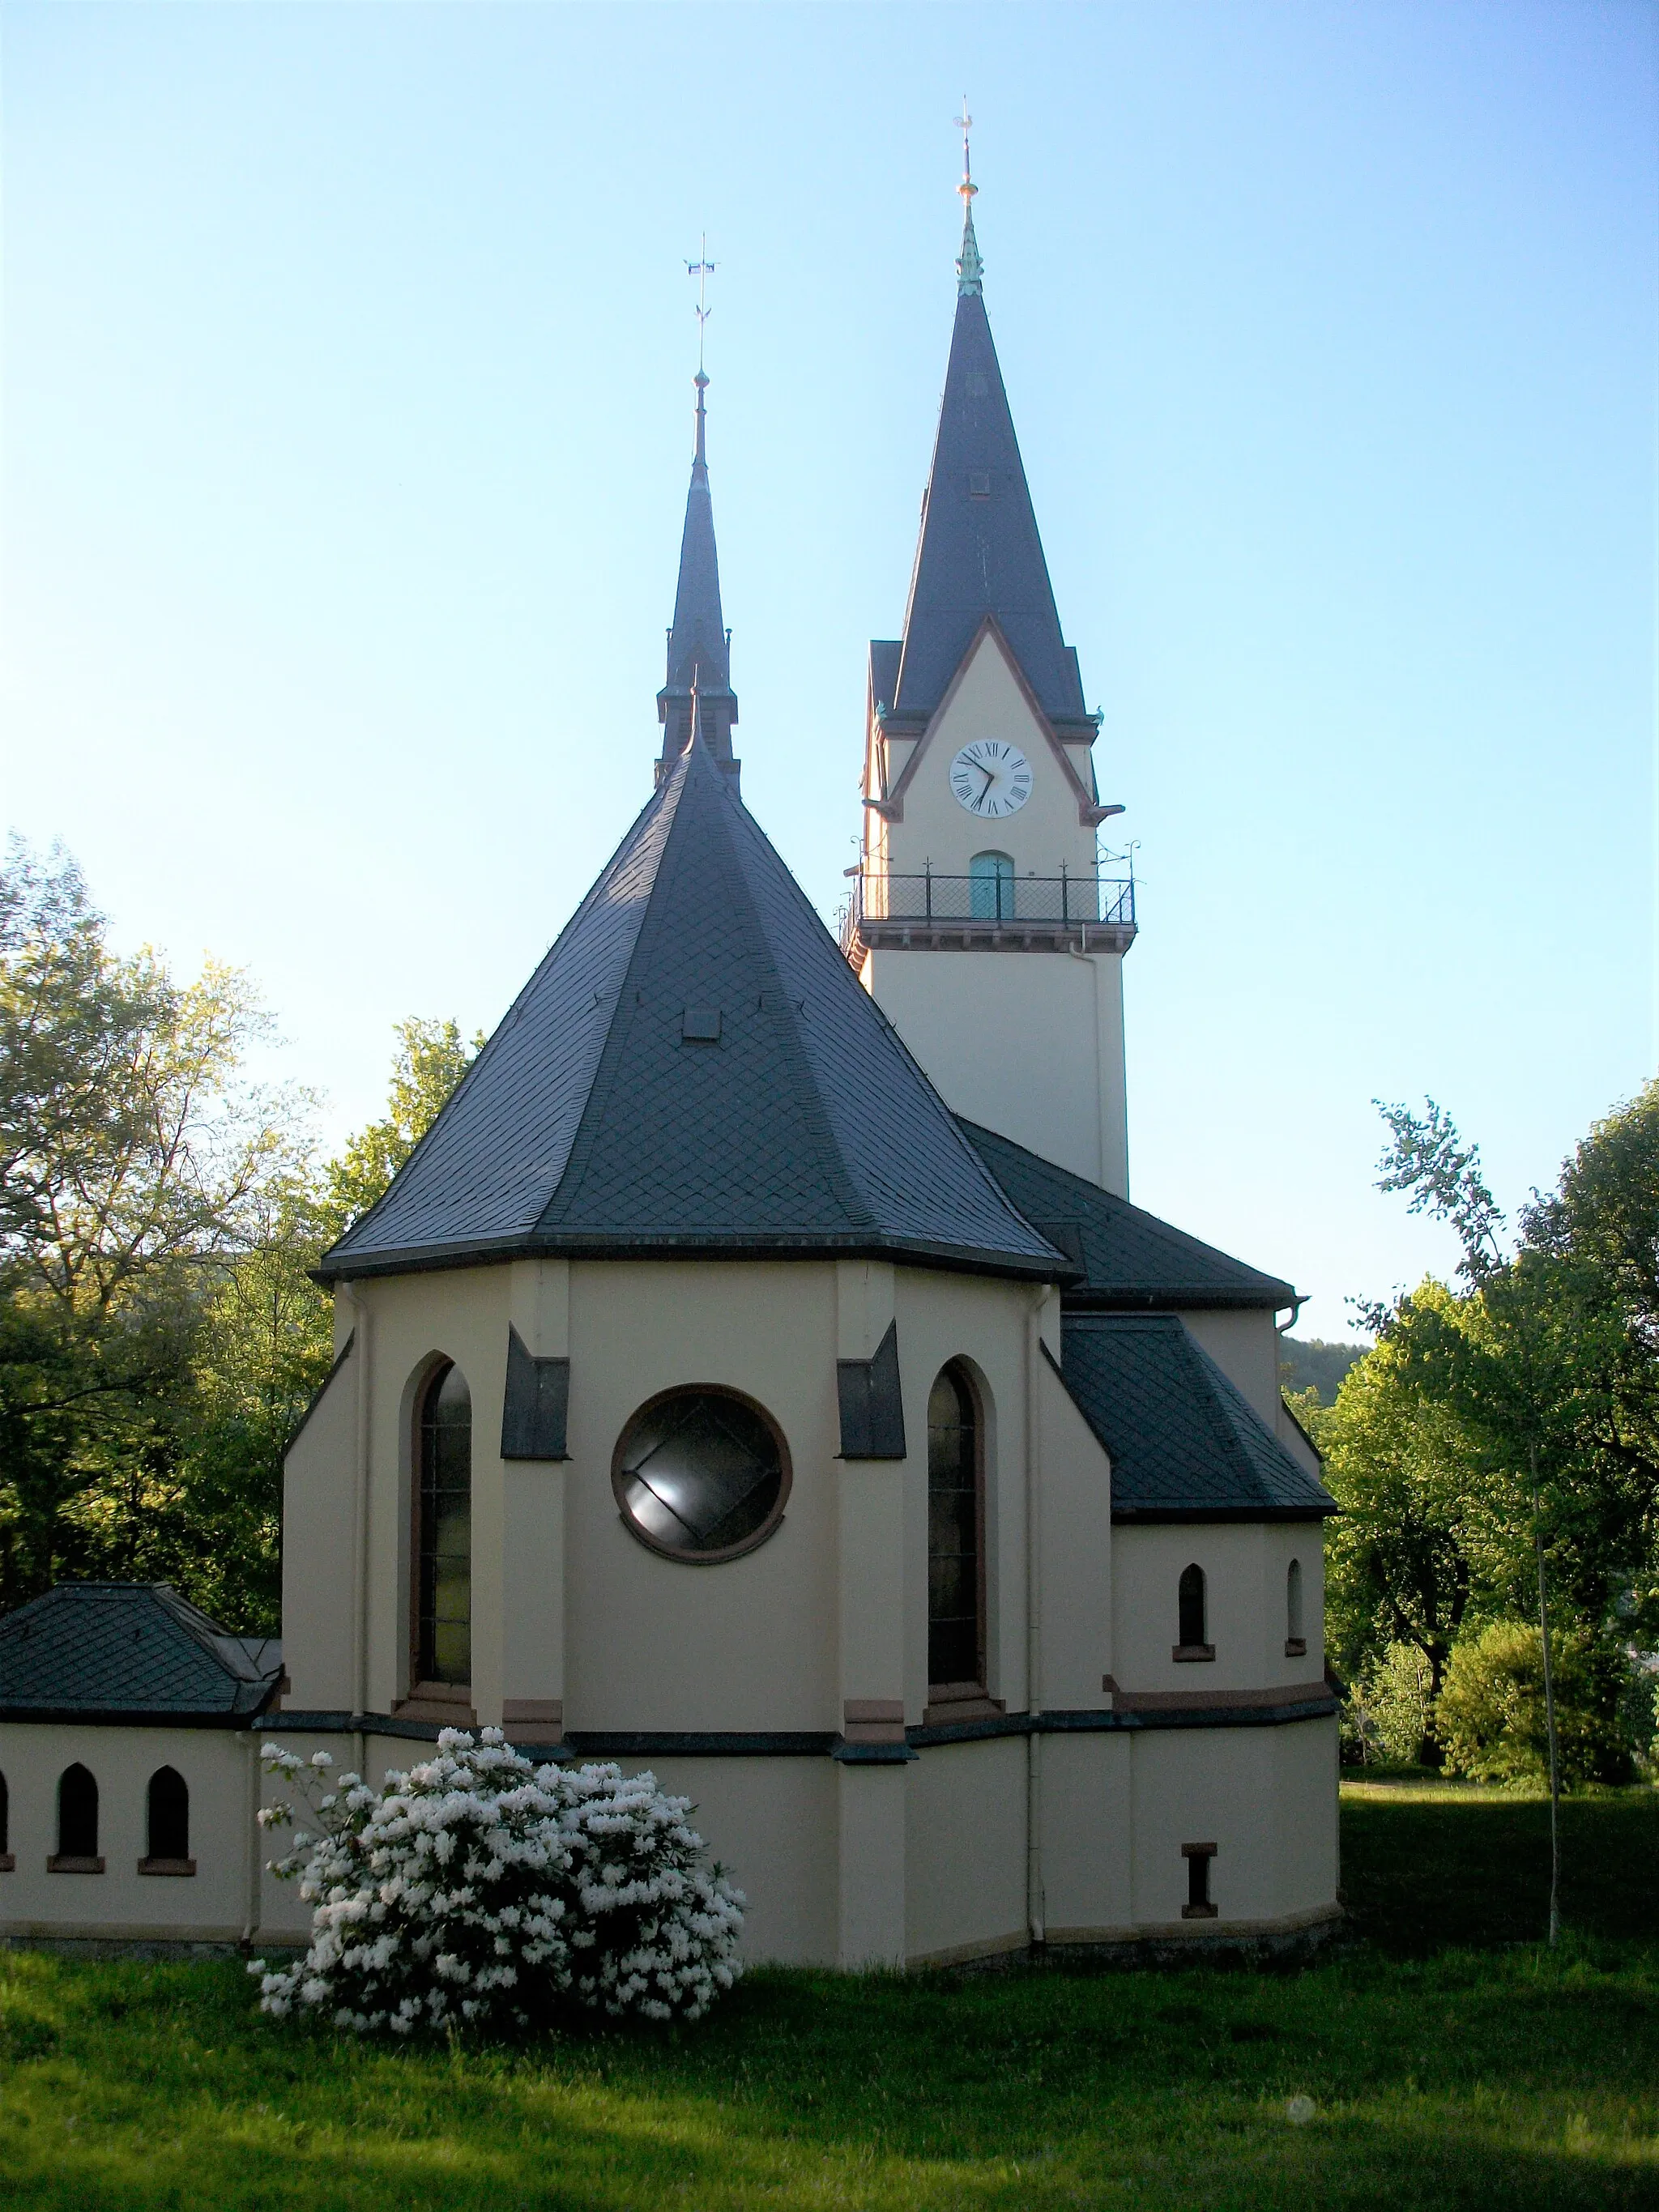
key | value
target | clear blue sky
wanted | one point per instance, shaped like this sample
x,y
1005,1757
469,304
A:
x,y
346,428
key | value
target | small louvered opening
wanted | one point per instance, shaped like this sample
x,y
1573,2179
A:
x,y
701,1026
979,484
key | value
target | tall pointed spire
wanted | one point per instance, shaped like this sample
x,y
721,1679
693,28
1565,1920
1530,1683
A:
x,y
971,270
979,552
699,647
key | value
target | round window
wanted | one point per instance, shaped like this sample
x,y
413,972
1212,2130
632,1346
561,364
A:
x,y
700,1475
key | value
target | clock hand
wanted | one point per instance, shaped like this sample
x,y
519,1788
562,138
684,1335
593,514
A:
x,y
988,774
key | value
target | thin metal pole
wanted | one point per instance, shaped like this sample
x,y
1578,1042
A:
x,y
1549,1707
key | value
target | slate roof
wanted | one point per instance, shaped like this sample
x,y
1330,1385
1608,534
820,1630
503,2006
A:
x,y
1127,1258
130,1651
979,551
1184,1443
594,1122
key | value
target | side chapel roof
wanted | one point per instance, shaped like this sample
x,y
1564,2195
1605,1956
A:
x,y
1184,1442
1126,1258
130,1651
694,1068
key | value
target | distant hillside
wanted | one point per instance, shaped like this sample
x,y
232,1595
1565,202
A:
x,y
1316,1362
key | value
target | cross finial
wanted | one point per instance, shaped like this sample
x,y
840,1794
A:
x,y
964,123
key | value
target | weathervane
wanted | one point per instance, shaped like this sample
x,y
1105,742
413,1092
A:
x,y
699,269
964,123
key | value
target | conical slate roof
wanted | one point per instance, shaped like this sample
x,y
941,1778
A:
x,y
694,1068
979,552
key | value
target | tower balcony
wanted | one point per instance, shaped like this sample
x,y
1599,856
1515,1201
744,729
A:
x,y
1079,912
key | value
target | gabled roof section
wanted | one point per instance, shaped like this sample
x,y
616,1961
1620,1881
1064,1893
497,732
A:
x,y
1184,1443
699,657
1127,1258
694,1068
130,1651
979,552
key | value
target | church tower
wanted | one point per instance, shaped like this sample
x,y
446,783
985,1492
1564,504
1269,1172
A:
x,y
980,921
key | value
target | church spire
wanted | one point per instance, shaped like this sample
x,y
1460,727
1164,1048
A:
x,y
699,647
971,270
979,552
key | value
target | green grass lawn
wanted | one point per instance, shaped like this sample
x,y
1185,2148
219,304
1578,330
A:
x,y
1490,2076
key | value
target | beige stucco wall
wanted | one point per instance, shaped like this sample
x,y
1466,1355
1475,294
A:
x,y
965,1848
1245,1567
1266,1797
215,1904
1087,1803
842,1862
1029,1043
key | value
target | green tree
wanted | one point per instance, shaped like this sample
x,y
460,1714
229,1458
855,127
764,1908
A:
x,y
136,1161
1491,1715
430,1060
1414,1548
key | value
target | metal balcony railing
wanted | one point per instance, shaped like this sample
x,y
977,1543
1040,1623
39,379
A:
x,y
987,906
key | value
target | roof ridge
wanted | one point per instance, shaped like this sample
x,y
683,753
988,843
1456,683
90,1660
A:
x,y
667,797
1219,1416
477,1070
861,1214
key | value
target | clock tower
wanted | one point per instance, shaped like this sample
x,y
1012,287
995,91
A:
x,y
981,920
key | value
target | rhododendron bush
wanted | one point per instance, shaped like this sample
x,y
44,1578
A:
x,y
479,1890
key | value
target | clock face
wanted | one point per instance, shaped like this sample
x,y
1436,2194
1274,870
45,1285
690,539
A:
x,y
991,777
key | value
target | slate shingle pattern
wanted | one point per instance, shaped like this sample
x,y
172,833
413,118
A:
x,y
698,655
131,1649
589,1123
1183,1442
980,556
1128,1257
483,1171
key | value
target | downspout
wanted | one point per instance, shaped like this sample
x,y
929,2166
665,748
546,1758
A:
x,y
1035,1918
359,1310
256,1833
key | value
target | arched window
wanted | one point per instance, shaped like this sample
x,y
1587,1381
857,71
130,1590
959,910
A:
x,y
1193,1640
167,1832
1296,1642
991,886
443,1605
77,1824
7,1863
955,1537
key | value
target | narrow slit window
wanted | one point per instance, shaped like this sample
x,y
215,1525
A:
x,y
7,1863
1296,1642
1200,1905
956,1515
443,1596
1192,1639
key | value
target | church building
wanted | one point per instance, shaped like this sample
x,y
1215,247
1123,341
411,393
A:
x,y
759,1372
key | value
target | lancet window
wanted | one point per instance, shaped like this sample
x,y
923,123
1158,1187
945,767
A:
x,y
955,1535
443,1621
